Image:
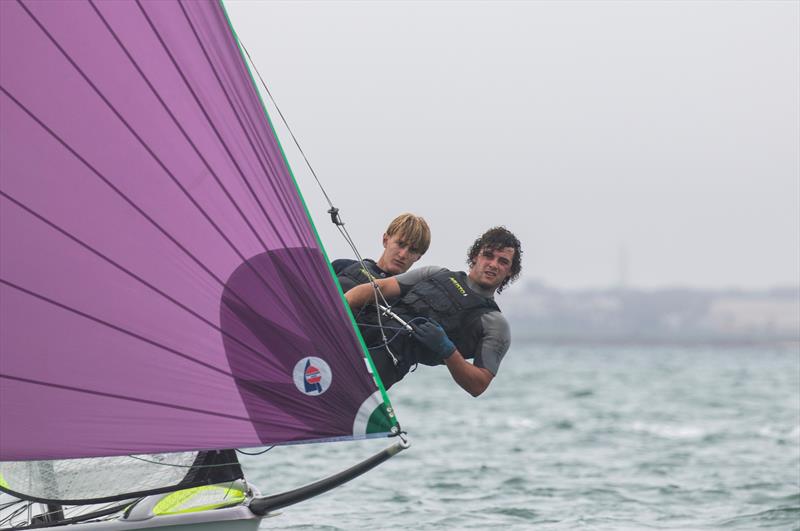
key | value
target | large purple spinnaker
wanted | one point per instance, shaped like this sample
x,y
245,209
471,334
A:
x,y
161,286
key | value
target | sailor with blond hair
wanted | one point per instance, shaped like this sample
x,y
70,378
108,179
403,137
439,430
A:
x,y
406,239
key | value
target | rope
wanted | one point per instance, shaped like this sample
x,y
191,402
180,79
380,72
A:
x,y
16,512
255,453
333,211
180,466
398,330
296,143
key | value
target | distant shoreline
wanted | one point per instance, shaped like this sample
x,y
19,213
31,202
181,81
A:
x,y
677,317
733,343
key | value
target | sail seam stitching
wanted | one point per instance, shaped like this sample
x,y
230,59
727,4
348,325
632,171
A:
x,y
135,276
146,148
124,197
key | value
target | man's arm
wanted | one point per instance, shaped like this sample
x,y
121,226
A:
x,y
476,377
472,379
363,294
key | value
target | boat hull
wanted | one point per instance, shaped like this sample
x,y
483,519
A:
x,y
235,518
230,519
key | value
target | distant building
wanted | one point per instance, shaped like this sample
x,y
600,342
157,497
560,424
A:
x,y
747,315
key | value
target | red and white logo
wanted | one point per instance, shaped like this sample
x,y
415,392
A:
x,y
312,376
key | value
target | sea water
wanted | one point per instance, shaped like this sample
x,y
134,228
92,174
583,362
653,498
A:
x,y
569,437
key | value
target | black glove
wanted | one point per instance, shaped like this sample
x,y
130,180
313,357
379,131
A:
x,y
433,336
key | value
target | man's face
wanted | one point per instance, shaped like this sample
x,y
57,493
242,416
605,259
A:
x,y
492,267
398,255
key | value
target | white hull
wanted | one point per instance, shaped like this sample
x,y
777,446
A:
x,y
236,518
230,519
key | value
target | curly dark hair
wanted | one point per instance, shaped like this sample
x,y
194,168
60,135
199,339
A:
x,y
498,238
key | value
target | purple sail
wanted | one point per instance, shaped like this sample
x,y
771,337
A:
x,y
161,286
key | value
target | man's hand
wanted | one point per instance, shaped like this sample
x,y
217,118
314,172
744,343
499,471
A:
x,y
433,336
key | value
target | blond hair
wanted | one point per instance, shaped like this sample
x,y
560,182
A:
x,y
413,230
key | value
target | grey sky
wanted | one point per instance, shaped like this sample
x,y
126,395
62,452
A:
x,y
668,129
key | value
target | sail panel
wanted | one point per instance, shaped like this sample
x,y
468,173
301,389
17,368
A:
x,y
161,287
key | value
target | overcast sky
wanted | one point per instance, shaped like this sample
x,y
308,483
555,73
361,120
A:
x,y
664,132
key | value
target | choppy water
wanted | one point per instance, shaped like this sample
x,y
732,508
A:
x,y
574,438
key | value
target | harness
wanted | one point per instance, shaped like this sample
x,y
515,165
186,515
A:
x,y
359,275
446,298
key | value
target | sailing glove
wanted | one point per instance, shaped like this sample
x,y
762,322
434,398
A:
x,y
432,335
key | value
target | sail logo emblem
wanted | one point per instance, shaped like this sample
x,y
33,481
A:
x,y
312,376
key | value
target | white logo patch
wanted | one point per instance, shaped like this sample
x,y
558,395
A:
x,y
312,376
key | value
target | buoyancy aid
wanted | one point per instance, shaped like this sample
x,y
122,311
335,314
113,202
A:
x,y
446,298
356,274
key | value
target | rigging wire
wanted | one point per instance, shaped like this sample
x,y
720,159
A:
x,y
397,330
15,513
254,453
296,143
180,466
333,211
32,521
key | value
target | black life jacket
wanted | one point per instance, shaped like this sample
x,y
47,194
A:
x,y
446,298
354,274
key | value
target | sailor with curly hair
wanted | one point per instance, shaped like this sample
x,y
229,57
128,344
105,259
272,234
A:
x,y
452,315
